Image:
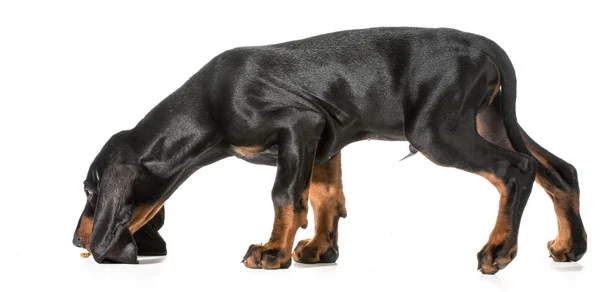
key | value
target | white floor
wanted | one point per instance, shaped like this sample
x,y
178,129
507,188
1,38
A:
x,y
411,226
74,73
417,270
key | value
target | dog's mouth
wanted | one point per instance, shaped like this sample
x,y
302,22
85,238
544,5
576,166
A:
x,y
81,239
82,242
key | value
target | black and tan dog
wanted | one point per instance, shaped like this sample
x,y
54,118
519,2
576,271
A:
x,y
295,105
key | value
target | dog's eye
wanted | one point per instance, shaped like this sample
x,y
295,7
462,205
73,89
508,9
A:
x,y
91,197
89,193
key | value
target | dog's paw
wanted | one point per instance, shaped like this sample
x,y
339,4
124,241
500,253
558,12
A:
x,y
310,252
260,257
494,257
563,251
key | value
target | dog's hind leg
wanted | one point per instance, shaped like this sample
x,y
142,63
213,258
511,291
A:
x,y
445,132
297,145
326,196
559,180
512,173
557,177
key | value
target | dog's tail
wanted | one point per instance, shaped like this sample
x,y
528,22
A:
x,y
553,171
508,82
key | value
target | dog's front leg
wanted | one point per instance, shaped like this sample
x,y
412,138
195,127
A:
x,y
327,199
297,147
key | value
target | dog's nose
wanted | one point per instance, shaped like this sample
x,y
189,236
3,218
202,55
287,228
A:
x,y
77,241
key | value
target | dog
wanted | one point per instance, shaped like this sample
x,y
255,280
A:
x,y
295,105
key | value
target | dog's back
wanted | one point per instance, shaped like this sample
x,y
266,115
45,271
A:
x,y
345,76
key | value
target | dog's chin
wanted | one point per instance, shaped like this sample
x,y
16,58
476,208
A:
x,y
84,248
84,251
85,244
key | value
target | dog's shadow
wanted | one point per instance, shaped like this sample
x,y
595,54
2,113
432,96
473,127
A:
x,y
150,260
317,265
566,267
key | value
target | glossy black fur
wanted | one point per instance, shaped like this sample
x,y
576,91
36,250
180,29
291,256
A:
x,y
304,101
148,240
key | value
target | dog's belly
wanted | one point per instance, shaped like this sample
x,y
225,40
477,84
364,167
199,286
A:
x,y
264,155
328,147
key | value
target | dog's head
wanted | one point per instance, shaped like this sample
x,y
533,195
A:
x,y
102,228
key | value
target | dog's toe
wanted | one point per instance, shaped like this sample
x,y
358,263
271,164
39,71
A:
x,y
562,251
309,252
494,257
261,257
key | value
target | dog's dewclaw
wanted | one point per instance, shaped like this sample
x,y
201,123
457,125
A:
x,y
85,254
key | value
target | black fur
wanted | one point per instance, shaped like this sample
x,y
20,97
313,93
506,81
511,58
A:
x,y
303,101
148,240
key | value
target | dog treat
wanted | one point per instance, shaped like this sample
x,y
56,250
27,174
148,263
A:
x,y
85,255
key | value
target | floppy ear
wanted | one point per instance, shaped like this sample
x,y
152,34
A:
x,y
111,240
147,238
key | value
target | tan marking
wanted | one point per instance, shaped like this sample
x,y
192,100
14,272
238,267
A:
x,y
559,197
508,259
502,226
563,202
327,199
85,254
562,244
85,231
247,151
497,86
491,264
563,240
285,226
284,229
141,216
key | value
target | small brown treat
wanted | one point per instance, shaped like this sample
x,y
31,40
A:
x,y
85,254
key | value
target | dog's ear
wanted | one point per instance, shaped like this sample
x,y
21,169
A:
x,y
148,240
111,241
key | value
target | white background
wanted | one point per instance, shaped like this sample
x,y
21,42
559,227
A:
x,y
74,73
